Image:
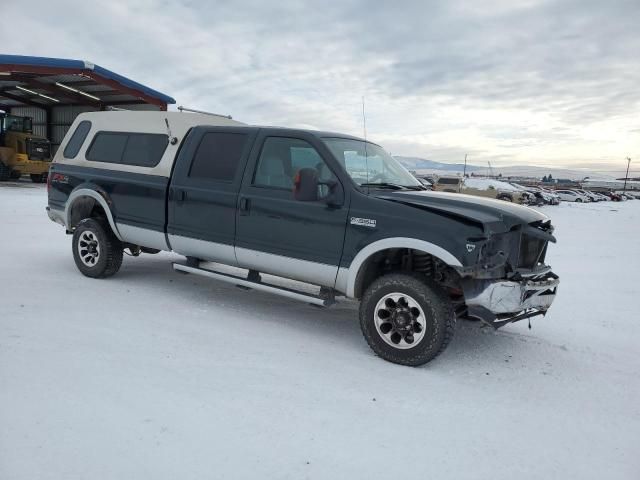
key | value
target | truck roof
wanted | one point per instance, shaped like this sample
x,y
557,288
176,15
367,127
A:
x,y
141,118
181,122
317,133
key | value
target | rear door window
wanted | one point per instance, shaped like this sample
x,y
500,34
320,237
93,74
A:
x,y
218,156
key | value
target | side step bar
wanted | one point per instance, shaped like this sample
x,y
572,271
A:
x,y
245,283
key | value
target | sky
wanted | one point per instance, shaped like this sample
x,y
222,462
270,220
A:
x,y
550,83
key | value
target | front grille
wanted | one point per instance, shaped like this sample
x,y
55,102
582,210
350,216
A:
x,y
532,251
38,149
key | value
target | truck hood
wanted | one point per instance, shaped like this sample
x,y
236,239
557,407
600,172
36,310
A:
x,y
494,215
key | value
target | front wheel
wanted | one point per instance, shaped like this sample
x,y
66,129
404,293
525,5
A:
x,y
406,319
96,250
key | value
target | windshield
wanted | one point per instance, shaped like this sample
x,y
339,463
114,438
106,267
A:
x,y
367,163
13,123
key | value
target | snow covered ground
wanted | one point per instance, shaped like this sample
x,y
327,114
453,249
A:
x,y
156,375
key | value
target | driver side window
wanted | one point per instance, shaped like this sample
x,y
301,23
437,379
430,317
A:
x,y
280,160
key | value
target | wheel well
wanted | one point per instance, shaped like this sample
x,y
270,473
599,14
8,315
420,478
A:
x,y
85,207
402,260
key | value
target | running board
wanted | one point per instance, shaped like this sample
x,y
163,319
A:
x,y
243,282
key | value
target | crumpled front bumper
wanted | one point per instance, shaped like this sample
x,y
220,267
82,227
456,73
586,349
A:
x,y
506,301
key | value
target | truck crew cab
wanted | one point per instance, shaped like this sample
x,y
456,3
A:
x,y
326,209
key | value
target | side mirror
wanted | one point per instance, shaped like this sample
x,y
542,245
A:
x,y
305,185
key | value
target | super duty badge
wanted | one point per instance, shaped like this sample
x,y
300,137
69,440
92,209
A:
x,y
363,222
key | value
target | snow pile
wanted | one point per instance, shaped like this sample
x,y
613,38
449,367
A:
x,y
152,374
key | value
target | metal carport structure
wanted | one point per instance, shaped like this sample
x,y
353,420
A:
x,y
53,91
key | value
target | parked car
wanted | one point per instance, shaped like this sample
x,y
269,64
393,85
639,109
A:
x,y
331,210
614,196
572,196
425,182
590,195
448,184
531,197
501,190
602,197
548,196
481,187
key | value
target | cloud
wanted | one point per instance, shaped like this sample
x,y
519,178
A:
x,y
552,82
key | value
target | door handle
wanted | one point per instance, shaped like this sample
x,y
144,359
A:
x,y
178,195
245,206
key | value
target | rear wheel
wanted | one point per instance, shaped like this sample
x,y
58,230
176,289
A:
x,y
406,319
96,250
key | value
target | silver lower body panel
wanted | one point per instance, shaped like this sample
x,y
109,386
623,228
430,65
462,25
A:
x,y
293,268
56,216
142,236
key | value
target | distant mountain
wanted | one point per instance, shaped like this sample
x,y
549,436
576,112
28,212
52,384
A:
x,y
424,166
416,163
573,174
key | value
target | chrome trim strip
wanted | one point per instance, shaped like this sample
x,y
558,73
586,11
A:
x,y
394,242
287,267
86,192
143,236
534,272
257,286
204,250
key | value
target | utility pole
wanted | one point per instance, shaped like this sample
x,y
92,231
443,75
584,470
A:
x,y
464,173
627,175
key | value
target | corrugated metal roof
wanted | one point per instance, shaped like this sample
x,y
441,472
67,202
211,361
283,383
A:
x,y
81,65
118,98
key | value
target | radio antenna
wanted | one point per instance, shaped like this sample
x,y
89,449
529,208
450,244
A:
x,y
364,127
193,110
172,140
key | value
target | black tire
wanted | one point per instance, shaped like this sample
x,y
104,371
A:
x,y
505,198
439,319
578,200
41,178
5,172
109,249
